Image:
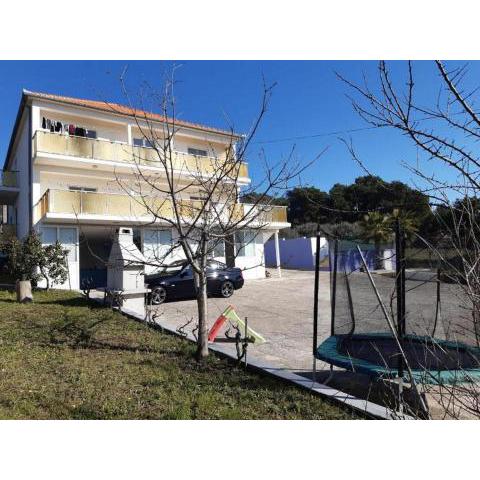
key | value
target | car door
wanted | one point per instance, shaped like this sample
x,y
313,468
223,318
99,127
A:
x,y
214,270
184,286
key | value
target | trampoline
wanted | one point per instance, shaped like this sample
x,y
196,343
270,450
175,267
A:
x,y
406,324
377,355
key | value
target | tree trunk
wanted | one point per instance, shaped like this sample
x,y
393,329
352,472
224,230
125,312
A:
x,y
202,342
24,291
230,251
47,279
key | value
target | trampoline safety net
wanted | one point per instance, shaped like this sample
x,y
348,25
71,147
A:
x,y
435,306
437,310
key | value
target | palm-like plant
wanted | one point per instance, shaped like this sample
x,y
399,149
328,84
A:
x,y
408,223
377,227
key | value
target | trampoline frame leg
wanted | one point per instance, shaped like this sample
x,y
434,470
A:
x,y
330,376
314,373
400,395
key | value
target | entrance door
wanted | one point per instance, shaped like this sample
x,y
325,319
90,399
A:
x,y
68,238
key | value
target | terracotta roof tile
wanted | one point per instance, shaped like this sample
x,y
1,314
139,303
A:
x,y
124,110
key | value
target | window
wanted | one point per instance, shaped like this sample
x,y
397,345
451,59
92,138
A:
x,y
49,235
187,272
137,238
82,189
199,197
197,152
142,142
245,243
217,248
66,236
158,237
157,244
68,239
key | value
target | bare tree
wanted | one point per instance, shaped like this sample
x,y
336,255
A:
x,y
197,196
446,135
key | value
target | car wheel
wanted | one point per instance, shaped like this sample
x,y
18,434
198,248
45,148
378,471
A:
x,y
158,295
227,289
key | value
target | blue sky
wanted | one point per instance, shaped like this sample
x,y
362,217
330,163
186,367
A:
x,y
308,100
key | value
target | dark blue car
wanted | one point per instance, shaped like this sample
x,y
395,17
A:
x,y
175,281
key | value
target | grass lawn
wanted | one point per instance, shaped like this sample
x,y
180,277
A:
x,y
62,358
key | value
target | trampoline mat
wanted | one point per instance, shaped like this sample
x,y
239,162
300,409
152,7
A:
x,y
421,353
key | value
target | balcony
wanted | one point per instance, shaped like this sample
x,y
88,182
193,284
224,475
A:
x,y
8,179
8,187
107,207
47,143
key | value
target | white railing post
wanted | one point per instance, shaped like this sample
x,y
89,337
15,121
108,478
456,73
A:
x,y
277,255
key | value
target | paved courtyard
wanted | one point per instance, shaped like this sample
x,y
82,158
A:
x,y
280,309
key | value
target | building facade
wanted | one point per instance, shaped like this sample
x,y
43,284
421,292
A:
x,y
65,173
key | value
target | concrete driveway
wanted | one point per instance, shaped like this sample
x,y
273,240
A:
x,y
280,309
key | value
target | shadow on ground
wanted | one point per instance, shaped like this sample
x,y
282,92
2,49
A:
x,y
379,391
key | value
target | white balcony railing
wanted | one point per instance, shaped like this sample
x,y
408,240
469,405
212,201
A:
x,y
91,148
77,203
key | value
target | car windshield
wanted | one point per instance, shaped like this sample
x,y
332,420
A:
x,y
179,265
216,265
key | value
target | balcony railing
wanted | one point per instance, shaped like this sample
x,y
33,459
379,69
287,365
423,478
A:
x,y
81,203
94,149
8,178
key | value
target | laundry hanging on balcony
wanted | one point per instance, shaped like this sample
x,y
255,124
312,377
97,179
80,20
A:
x,y
68,128
52,125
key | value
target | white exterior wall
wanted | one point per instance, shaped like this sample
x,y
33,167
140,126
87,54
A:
x,y
389,259
214,149
21,163
105,131
253,266
160,254
109,127
61,178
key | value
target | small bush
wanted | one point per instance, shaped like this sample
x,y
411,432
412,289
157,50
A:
x,y
30,260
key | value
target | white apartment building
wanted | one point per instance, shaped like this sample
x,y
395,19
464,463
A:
x,y
61,174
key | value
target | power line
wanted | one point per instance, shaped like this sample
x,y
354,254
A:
x,y
316,135
339,132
